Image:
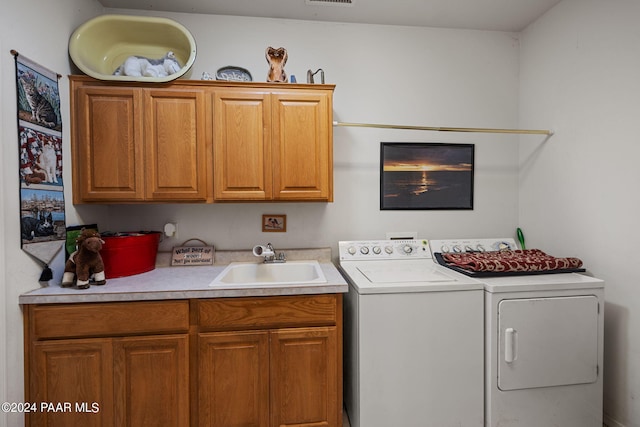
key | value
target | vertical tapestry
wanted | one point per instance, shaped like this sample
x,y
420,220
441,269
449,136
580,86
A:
x,y
42,216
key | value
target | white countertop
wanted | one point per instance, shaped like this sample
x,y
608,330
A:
x,y
180,282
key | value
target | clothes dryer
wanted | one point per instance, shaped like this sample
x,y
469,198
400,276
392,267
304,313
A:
x,y
543,346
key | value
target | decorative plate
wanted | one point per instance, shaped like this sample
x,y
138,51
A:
x,y
233,74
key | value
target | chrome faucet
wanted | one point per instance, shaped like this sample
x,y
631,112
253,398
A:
x,y
269,253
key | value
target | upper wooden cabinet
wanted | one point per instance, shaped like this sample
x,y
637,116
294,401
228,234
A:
x,y
132,144
175,144
200,141
273,144
242,145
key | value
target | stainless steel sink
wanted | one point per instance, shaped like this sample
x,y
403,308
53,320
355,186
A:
x,y
248,274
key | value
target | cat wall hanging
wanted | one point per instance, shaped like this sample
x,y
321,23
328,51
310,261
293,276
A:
x,y
276,58
42,211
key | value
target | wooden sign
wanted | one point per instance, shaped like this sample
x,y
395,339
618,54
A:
x,y
192,255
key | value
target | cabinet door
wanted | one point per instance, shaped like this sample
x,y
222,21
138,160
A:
x,y
175,143
233,379
73,380
304,372
107,145
241,145
151,385
302,145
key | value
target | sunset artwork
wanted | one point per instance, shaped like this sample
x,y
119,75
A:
x,y
426,176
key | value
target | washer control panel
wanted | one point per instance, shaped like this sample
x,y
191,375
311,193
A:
x,y
473,245
384,249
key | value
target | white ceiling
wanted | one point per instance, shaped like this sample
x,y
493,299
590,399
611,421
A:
x,y
497,15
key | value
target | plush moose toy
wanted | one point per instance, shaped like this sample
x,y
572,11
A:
x,y
86,262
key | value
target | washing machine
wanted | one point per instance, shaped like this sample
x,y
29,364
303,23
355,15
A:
x,y
413,338
543,344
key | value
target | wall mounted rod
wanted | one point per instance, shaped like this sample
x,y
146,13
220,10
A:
x,y
446,129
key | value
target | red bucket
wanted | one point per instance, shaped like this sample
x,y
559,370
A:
x,y
126,254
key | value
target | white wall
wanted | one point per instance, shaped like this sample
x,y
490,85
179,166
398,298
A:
x,y
5,319
580,74
39,30
384,74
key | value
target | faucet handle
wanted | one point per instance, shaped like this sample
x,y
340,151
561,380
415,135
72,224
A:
x,y
269,253
263,251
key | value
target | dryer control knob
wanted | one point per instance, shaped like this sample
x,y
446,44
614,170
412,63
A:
x,y
407,249
377,250
388,249
352,250
364,250
444,249
457,249
480,248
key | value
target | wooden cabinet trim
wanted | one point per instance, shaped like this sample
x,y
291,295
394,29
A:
x,y
211,84
49,321
267,312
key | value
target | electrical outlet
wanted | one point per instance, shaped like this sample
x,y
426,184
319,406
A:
x,y
171,229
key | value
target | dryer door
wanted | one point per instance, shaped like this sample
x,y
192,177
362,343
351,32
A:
x,y
547,342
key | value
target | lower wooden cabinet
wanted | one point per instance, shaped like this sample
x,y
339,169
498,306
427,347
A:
x,y
108,364
282,377
259,362
233,385
104,382
79,372
151,381
304,375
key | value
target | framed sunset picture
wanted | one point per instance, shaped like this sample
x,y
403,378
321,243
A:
x,y
426,176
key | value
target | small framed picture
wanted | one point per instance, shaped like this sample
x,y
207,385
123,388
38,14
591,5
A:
x,y
274,223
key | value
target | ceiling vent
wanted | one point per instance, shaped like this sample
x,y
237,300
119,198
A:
x,y
330,2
